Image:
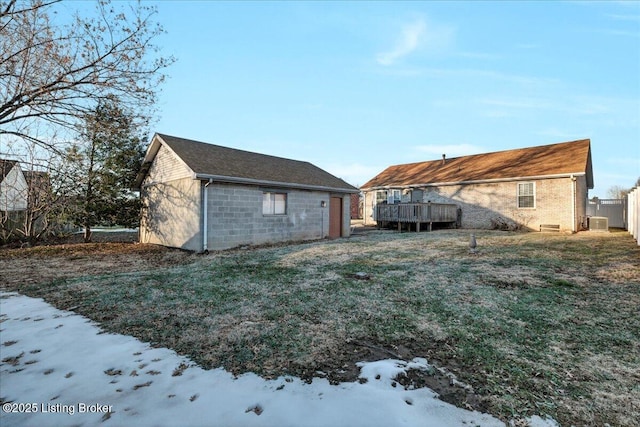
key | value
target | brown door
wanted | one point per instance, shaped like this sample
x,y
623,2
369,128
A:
x,y
335,217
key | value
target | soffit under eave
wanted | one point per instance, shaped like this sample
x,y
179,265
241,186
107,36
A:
x,y
589,170
275,184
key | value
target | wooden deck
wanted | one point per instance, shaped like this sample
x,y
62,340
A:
x,y
416,213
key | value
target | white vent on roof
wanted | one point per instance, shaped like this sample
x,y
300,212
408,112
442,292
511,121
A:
x,y
598,223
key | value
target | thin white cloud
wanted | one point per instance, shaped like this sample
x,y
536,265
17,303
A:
x,y
489,74
450,150
561,134
517,103
478,55
410,39
619,33
528,46
418,35
579,106
635,18
496,114
625,161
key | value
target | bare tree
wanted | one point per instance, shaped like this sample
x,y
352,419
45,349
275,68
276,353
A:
x,y
55,74
620,192
617,192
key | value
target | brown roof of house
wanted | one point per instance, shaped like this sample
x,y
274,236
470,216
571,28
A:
x,y
547,160
215,161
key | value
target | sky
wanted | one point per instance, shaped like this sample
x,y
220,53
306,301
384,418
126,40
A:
x,y
59,368
354,87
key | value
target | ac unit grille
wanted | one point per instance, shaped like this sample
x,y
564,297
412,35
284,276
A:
x,y
598,223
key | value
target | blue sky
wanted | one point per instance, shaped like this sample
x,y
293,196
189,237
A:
x,y
354,87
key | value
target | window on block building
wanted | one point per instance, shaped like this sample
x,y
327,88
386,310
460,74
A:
x,y
274,203
526,195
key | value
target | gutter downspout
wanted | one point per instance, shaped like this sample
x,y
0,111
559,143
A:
x,y
205,213
573,203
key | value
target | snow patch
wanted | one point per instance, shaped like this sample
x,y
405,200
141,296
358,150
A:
x,y
75,373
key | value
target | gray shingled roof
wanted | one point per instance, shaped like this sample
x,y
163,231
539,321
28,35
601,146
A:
x,y
208,160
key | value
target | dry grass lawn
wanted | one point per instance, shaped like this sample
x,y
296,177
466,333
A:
x,y
533,323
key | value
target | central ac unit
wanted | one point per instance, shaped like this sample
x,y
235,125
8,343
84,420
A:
x,y
598,223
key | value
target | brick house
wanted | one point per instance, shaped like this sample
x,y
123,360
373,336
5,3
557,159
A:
x,y
200,196
525,188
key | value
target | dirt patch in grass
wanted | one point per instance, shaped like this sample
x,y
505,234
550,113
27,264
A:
x,y
533,323
44,264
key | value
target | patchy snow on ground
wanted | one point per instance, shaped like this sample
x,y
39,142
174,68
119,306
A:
x,y
58,368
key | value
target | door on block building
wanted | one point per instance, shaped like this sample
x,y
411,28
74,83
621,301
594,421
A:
x,y
335,217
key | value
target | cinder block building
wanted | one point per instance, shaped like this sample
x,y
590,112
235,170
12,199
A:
x,y
200,196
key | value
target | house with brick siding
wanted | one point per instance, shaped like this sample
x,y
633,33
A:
x,y
200,196
535,188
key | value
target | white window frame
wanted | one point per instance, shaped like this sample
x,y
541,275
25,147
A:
x,y
519,189
274,203
394,196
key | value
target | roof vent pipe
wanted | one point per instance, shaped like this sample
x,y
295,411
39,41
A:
x,y
444,158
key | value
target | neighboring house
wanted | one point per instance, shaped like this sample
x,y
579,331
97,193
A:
x,y
528,188
25,201
200,196
14,198
13,187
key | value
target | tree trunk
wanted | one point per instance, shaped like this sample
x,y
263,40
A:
x,y
87,233
88,198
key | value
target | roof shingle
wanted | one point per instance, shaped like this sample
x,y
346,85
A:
x,y
214,160
556,159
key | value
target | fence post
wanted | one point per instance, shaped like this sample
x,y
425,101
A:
x,y
633,213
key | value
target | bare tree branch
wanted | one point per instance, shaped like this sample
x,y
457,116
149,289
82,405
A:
x,y
56,74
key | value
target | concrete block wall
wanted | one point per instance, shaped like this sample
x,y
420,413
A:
x,y
236,218
171,214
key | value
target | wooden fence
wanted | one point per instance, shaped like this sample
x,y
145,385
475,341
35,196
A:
x,y
416,213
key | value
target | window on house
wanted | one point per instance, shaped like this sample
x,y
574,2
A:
x,y
395,196
526,195
274,203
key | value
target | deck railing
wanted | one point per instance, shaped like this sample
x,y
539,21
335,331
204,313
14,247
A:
x,y
417,212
